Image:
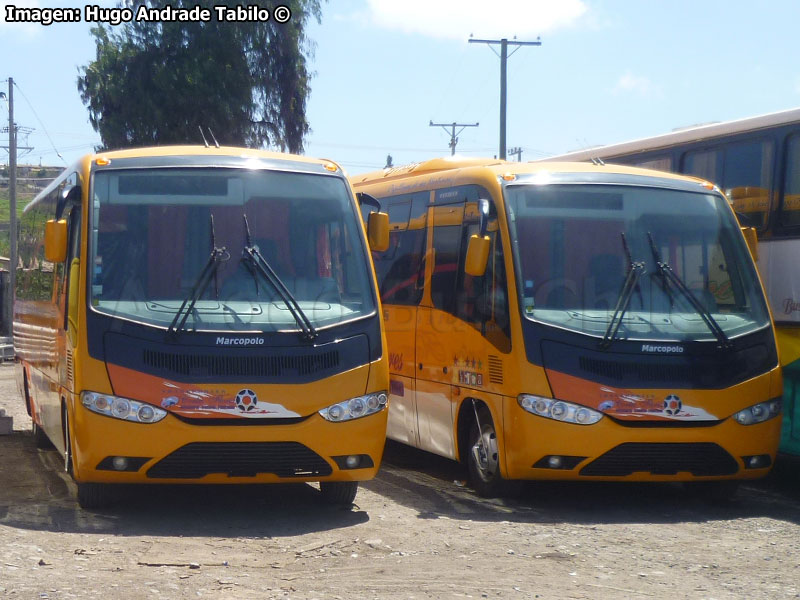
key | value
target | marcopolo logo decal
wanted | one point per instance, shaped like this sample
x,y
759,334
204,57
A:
x,y
252,341
662,348
246,400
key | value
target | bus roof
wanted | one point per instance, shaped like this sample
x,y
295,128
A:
x,y
83,164
503,168
203,151
689,134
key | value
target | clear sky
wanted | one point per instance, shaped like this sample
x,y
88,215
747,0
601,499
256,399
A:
x,y
607,71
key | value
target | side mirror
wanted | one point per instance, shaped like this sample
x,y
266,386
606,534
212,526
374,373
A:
x,y
378,231
477,255
55,240
752,241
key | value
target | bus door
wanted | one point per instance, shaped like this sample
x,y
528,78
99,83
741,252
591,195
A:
x,y
401,273
437,329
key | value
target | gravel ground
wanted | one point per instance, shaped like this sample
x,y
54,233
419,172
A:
x,y
415,532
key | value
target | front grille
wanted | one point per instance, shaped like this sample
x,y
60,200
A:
x,y
699,458
652,373
216,365
240,459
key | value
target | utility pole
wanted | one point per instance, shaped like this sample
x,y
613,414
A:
x,y
453,134
504,43
12,208
517,151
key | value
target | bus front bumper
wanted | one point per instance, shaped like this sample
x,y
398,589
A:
x,y
540,448
108,450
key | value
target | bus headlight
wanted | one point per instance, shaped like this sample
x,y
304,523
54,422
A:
x,y
355,408
758,413
122,408
559,410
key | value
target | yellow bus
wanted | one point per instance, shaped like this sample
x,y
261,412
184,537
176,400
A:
x,y
202,315
756,162
574,321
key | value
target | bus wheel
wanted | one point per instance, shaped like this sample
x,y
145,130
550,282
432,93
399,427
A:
x,y
93,495
483,459
341,493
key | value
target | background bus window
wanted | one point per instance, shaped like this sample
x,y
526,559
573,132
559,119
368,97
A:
x,y
747,181
706,164
399,267
790,211
659,163
744,172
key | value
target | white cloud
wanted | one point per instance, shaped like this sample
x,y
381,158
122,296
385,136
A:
x,y
457,19
634,84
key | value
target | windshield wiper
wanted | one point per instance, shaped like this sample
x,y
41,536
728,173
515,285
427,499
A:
x,y
635,270
260,266
671,277
217,256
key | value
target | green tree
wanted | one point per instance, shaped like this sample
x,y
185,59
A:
x,y
156,82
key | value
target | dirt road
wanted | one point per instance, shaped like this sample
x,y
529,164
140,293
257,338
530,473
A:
x,y
414,533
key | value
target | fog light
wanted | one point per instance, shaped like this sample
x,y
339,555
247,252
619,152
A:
x,y
554,462
120,463
353,461
757,461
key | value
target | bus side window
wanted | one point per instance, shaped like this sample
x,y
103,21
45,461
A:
x,y
73,253
483,301
447,227
399,268
747,181
790,211
706,164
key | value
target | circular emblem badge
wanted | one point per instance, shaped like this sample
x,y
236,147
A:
x,y
672,405
246,400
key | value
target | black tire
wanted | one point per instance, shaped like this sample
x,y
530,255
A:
x,y
94,495
483,458
40,438
340,493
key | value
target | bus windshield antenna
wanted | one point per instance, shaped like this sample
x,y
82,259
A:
x,y
203,135
211,133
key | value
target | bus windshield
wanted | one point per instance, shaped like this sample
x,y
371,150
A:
x,y
576,246
163,238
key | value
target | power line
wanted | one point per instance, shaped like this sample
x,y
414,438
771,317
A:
x,y
33,110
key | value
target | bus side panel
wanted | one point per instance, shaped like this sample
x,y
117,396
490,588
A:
x,y
39,342
400,322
